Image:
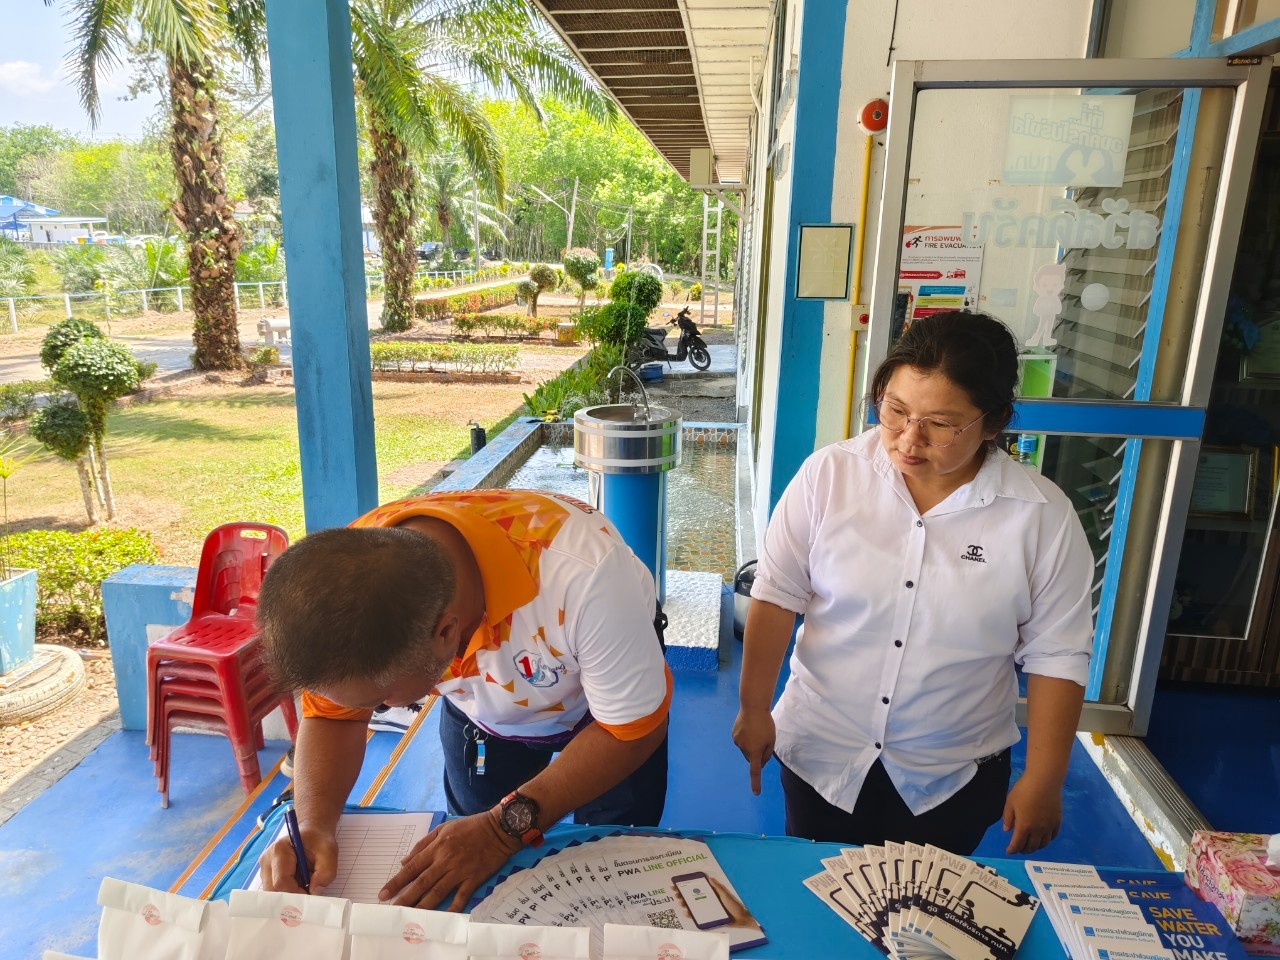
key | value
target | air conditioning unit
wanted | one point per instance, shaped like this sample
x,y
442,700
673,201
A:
x,y
701,164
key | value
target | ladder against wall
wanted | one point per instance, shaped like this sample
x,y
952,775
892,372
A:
x,y
712,218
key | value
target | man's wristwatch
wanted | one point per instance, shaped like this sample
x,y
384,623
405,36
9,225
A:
x,y
519,818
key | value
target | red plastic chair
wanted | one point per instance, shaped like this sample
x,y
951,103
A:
x,y
218,647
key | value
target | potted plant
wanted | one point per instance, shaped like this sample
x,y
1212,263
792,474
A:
x,y
17,587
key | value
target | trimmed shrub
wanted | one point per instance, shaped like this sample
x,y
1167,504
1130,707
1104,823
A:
x,y
475,301
644,290
695,292
18,400
414,356
146,370
264,356
63,336
70,570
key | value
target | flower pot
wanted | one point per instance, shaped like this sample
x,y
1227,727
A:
x,y
17,619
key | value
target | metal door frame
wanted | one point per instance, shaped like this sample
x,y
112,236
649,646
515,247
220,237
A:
x,y
1140,418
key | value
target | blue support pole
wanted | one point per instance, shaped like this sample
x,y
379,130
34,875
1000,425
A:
x,y
636,503
813,177
312,90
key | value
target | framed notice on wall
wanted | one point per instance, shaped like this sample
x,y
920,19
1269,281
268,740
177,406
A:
x,y
1225,480
824,261
1262,364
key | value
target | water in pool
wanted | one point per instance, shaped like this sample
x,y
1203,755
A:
x,y
700,514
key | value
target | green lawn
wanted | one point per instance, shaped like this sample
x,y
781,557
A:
x,y
183,465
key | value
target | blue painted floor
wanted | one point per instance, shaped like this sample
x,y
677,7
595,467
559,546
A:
x,y
1221,745
104,817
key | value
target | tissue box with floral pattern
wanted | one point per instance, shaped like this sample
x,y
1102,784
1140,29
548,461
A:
x,y
1230,870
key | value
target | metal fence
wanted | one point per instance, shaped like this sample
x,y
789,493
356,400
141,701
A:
x,y
267,294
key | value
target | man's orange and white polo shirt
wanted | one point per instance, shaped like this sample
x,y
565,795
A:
x,y
568,621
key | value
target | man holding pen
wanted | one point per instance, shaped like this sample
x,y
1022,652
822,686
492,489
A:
x,y
535,624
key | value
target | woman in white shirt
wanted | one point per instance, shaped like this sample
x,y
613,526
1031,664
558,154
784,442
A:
x,y
926,564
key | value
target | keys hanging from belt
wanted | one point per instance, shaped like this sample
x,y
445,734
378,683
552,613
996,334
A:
x,y
473,749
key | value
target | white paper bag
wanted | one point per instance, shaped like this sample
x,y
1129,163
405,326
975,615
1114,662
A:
x,y
380,931
654,943
217,928
276,926
139,923
503,941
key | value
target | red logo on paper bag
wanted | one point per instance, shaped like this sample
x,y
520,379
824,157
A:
x,y
530,951
151,914
669,951
291,916
414,933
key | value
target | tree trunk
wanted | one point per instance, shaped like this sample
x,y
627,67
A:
x,y
104,482
394,216
205,214
91,462
87,489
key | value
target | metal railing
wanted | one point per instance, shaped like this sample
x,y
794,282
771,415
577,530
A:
x,y
262,295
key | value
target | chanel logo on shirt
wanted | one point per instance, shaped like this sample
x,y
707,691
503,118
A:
x,y
973,554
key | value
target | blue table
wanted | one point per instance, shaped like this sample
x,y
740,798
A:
x,y
768,873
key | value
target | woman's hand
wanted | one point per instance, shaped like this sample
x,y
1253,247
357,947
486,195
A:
x,y
755,735
1033,811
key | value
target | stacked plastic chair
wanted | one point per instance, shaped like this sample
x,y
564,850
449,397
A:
x,y
208,674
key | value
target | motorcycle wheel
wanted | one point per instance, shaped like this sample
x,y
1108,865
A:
x,y
700,357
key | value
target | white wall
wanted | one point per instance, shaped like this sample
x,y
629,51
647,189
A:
x,y
776,270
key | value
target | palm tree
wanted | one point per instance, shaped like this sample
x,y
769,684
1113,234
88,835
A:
x,y
449,196
191,36
416,64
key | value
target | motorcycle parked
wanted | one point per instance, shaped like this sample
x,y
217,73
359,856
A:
x,y
653,345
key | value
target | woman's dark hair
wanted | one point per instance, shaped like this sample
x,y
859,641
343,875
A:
x,y
974,351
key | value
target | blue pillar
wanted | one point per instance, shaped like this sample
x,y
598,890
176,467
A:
x,y
311,86
636,503
812,177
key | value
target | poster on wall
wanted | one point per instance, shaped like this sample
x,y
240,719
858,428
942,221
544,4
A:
x,y
936,272
1077,140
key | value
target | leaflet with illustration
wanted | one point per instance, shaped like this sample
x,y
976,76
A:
x,y
627,879
922,903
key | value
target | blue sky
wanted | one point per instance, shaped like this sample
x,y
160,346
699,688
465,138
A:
x,y
33,88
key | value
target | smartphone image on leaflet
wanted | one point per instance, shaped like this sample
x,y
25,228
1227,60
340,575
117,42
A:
x,y
701,899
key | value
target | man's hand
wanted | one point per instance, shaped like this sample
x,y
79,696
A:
x,y
456,857
279,866
755,735
1033,811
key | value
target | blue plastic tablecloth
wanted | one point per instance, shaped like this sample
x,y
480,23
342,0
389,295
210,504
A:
x,y
768,873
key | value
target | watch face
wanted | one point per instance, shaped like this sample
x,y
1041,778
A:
x,y
518,816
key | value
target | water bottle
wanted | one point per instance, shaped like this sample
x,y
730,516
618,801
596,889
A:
x,y
1026,447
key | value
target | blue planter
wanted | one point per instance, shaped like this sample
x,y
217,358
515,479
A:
x,y
17,619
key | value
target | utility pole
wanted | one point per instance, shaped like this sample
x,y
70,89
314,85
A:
x,y
629,257
475,217
573,209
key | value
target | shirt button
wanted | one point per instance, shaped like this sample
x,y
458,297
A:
x,y
910,584
884,699
877,744
897,643
919,523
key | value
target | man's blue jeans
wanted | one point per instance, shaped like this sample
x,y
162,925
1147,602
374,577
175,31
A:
x,y
636,801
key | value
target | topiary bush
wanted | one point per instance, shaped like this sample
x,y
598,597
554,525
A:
x,y
641,289
62,336
63,428
70,568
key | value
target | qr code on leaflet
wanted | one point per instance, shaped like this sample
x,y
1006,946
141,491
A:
x,y
666,920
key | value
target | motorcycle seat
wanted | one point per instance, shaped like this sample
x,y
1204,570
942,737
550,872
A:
x,y
659,332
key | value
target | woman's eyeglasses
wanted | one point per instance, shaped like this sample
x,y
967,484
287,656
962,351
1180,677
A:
x,y
934,432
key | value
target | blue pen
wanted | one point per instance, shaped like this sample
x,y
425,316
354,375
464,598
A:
x,y
303,872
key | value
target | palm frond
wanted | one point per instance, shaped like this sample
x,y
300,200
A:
x,y
463,116
247,31
100,29
183,30
391,85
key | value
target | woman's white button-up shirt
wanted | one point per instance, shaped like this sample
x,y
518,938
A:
x,y
913,623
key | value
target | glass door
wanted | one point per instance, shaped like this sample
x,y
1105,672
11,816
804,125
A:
x,y
1093,206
